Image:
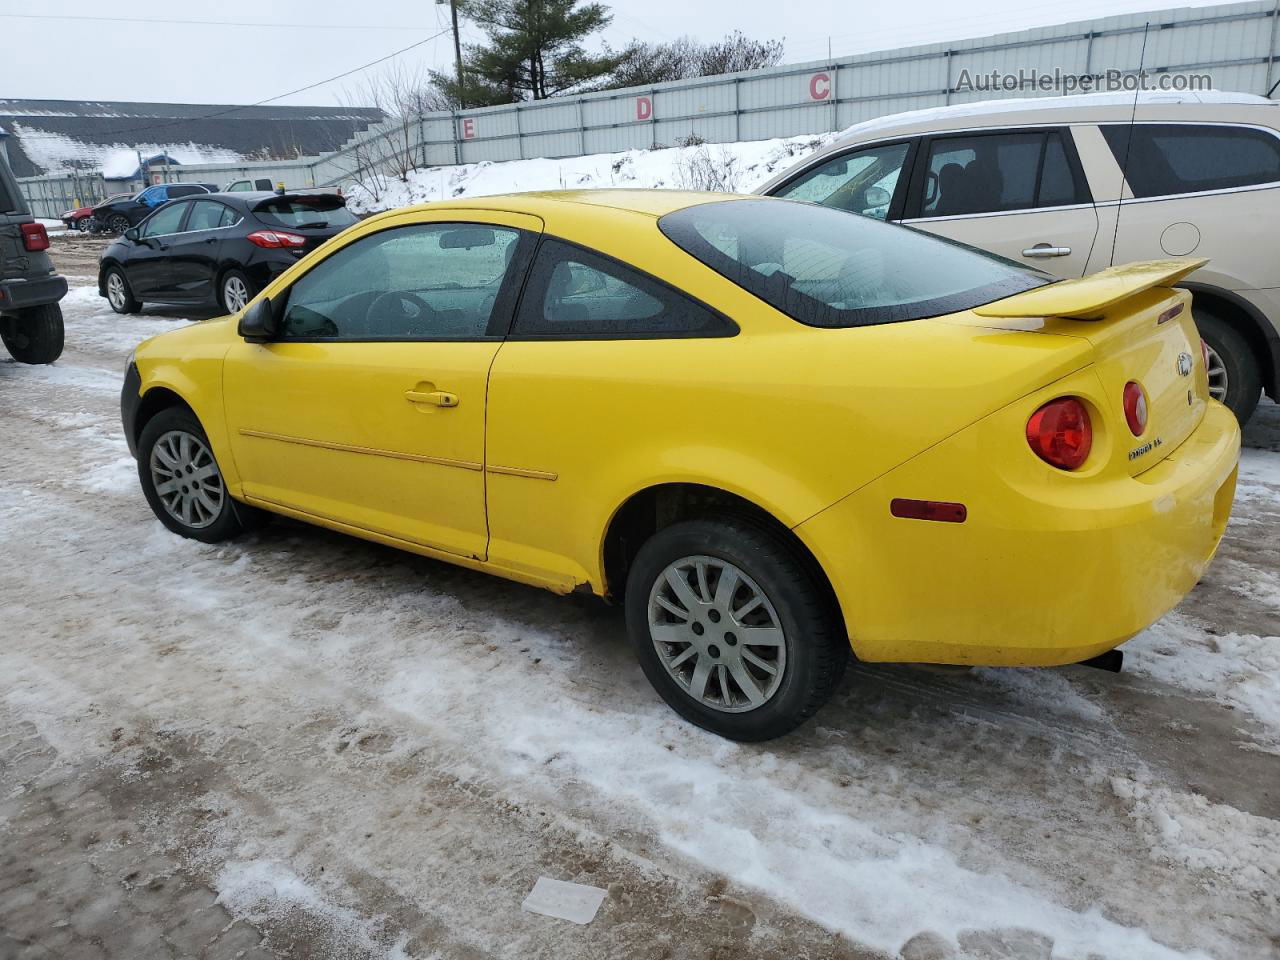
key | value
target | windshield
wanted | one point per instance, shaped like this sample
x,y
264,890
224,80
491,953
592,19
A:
x,y
830,268
305,212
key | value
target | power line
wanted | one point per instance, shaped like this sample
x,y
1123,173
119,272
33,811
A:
x,y
259,103
210,23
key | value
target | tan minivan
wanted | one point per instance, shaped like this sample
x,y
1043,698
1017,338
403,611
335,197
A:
x,y
1074,184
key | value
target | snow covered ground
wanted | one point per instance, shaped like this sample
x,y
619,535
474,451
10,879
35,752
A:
x,y
735,167
302,744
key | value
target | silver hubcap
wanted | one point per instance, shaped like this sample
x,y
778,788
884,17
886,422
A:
x,y
235,294
1217,376
186,479
115,291
717,634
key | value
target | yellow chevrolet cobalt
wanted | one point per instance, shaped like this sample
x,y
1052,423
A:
x,y
772,431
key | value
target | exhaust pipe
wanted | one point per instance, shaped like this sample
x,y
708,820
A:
x,y
1112,661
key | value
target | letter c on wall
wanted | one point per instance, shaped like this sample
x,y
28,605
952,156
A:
x,y
820,86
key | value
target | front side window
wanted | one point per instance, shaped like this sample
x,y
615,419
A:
x,y
574,293
862,181
1163,159
422,282
830,268
152,196
994,173
164,221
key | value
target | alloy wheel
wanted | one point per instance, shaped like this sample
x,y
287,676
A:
x,y
118,224
115,291
1217,371
235,295
717,634
186,479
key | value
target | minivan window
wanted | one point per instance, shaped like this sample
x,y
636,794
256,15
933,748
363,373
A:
x,y
305,212
995,173
862,181
830,268
1171,158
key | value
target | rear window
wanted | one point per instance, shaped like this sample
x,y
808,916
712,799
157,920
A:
x,y
305,212
830,268
1162,159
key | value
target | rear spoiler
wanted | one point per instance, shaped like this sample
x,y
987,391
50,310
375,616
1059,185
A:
x,y
1089,297
338,200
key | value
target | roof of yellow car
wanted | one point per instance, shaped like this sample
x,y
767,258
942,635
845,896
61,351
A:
x,y
654,203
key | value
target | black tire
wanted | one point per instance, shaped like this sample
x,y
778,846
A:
x,y
118,224
130,303
816,648
1244,377
229,520
250,290
34,335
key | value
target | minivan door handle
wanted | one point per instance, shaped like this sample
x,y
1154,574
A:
x,y
1041,250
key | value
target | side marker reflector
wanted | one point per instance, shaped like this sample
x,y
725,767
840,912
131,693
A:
x,y
938,510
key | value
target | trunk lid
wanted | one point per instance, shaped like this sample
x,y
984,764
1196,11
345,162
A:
x,y
1140,328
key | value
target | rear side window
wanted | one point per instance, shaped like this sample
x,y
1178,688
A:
x,y
305,212
574,293
829,268
994,173
209,215
1171,158
184,191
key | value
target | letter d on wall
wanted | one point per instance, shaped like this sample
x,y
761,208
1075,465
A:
x,y
644,108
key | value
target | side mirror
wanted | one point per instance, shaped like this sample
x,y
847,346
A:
x,y
877,197
132,234
258,322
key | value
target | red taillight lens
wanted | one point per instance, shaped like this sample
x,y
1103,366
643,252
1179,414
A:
x,y
1135,407
1060,433
275,239
34,237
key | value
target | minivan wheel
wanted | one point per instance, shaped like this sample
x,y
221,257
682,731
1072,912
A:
x,y
236,291
182,481
731,628
119,295
1234,377
118,224
34,335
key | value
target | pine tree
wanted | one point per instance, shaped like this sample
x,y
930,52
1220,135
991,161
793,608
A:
x,y
535,51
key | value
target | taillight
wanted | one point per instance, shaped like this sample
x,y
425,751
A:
x,y
275,239
1135,407
34,237
1060,433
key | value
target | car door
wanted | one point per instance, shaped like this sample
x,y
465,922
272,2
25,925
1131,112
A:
x,y
368,410
148,267
1019,193
193,254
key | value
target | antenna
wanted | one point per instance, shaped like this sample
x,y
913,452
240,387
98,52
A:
x,y
1128,141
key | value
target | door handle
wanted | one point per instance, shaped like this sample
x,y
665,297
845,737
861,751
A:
x,y
437,398
1041,250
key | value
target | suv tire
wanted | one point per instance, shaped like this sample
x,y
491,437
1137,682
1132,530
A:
x,y
1231,365
34,335
118,224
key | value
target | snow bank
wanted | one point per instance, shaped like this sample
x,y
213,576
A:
x,y
740,167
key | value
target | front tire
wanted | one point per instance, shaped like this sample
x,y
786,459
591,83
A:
x,y
119,293
732,629
1234,376
118,224
34,335
182,481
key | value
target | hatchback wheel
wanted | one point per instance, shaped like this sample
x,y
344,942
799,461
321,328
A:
x,y
236,291
182,481
1234,377
119,295
732,629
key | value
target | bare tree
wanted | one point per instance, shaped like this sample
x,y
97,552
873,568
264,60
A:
x,y
684,58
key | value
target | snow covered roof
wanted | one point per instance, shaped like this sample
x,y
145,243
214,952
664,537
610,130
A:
x,y
52,135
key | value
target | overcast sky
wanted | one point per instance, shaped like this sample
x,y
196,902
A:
x,y
287,44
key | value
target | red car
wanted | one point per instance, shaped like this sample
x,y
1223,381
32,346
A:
x,y
82,219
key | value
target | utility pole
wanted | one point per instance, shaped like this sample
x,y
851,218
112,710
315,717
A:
x,y
457,50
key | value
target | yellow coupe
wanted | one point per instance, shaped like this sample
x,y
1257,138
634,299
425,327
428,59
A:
x,y
772,430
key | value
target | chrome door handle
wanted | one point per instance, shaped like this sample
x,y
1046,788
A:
x,y
438,398
1041,250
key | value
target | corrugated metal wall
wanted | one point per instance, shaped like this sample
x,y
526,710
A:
x,y
1235,44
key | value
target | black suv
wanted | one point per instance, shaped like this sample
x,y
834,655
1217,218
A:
x,y
123,214
30,318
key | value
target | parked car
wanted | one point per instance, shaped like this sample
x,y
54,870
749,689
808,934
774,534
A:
x,y
118,215
77,219
30,288
262,184
1075,184
221,248
771,430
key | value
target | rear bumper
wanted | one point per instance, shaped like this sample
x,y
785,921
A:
x,y
1039,574
19,294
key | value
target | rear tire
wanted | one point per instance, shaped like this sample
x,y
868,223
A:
x,y
235,291
183,483
119,293
772,637
118,224
1234,375
34,335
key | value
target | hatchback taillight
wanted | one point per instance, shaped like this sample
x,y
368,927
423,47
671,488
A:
x,y
275,239
1135,407
1060,433
34,237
